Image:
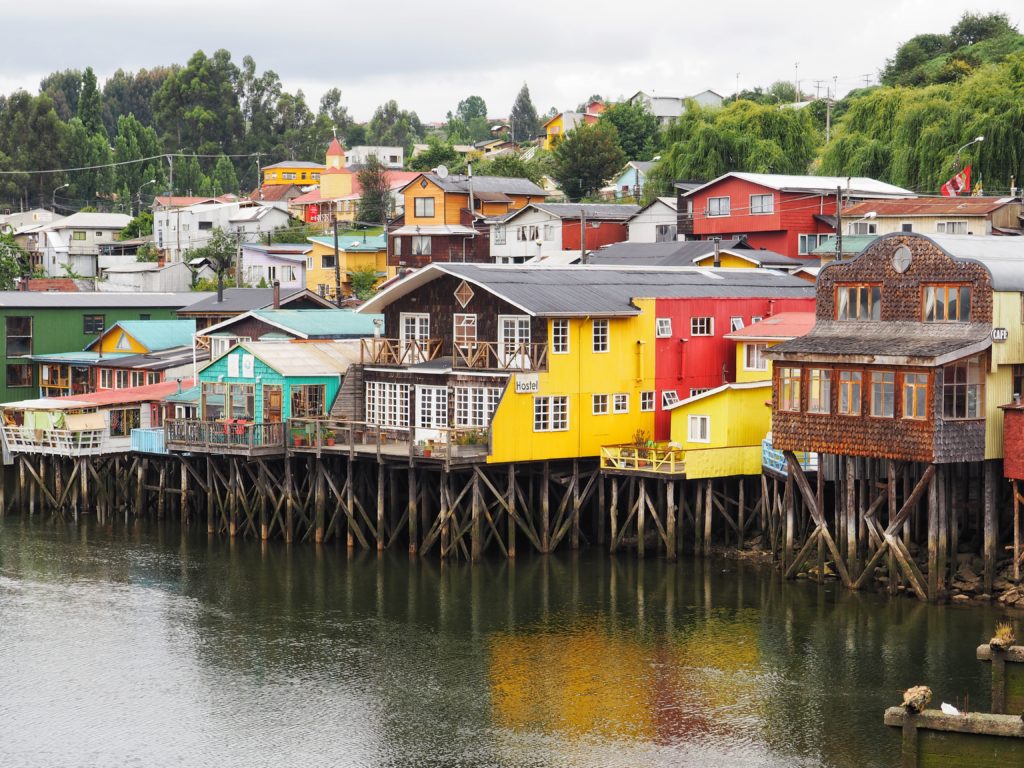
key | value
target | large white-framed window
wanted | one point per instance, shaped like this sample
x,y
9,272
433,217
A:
x,y
962,391
808,242
951,227
550,413
850,383
702,326
753,357
719,206
514,341
599,404
464,331
423,207
499,234
431,407
663,327
421,245
601,339
414,331
387,404
559,337
735,324
698,429
762,204
620,402
475,406
883,393
647,400
863,228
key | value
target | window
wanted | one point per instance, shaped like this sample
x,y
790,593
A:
x,y
718,206
19,336
761,204
106,378
431,407
863,228
308,401
600,404
19,375
1018,380
138,378
961,389
387,404
702,326
669,397
327,261
499,234
694,391
789,389
560,337
849,392
421,245
807,243
915,395
205,225
423,206
93,324
78,235
665,233
819,390
663,327
620,402
153,377
699,429
858,302
465,331
123,421
906,226
947,303
754,359
550,413
647,400
527,232
735,324
549,231
397,246
883,393
600,332
951,227
144,317
475,406
121,379
242,401
755,319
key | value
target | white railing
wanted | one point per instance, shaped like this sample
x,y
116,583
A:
x,y
64,442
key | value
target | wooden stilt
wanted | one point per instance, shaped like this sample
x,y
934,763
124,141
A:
x,y
574,537
380,506
641,518
320,502
545,509
1016,532
790,504
991,513
670,520
933,536
475,510
709,511
161,501
512,513
289,501
413,510
613,515
183,509
210,498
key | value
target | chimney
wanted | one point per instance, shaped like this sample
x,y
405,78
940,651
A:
x,y
277,294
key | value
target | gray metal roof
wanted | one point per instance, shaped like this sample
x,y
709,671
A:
x,y
671,254
294,164
1003,256
98,299
506,184
156,361
605,211
245,299
603,291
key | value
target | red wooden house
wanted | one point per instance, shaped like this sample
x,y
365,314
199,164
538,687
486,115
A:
x,y
791,215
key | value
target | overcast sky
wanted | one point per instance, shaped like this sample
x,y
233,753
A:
x,y
428,56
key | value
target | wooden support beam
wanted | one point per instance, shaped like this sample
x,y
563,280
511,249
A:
x,y
709,509
613,515
670,520
475,511
797,472
991,513
545,510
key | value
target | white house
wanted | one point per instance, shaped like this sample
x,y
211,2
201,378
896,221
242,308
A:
x,y
551,232
12,222
656,222
390,157
75,242
150,277
176,230
668,108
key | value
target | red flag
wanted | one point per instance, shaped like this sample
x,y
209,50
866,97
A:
x,y
959,184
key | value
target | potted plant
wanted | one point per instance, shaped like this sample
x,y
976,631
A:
x,y
641,439
328,435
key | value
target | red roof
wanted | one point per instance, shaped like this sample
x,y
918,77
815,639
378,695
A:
x,y
928,206
183,201
59,284
785,325
148,393
396,180
335,148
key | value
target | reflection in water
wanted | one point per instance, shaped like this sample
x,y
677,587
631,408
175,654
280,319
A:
x,y
142,646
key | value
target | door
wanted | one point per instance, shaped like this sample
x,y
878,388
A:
x,y
514,341
431,412
271,403
413,336
465,339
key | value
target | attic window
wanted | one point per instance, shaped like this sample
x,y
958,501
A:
x,y
463,294
423,183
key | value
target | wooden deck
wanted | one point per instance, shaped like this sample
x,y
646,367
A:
x,y
359,439
229,438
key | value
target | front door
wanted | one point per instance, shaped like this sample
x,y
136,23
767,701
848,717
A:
x,y
413,336
271,403
431,412
514,341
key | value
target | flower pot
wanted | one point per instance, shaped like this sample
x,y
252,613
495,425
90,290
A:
x,y
298,441
330,441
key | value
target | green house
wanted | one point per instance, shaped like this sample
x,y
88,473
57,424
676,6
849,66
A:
x,y
273,381
38,323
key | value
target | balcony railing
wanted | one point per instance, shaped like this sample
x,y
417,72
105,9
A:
x,y
378,351
62,442
657,458
228,436
334,435
502,356
148,440
775,460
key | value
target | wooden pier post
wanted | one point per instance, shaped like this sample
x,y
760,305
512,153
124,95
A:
x,y
1016,531
380,506
574,537
741,514
475,503
789,500
933,536
670,520
512,513
320,503
613,515
545,510
210,498
641,518
350,504
852,560
991,525
289,501
709,511
161,502
183,509
413,510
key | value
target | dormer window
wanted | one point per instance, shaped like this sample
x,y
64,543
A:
x,y
858,302
947,303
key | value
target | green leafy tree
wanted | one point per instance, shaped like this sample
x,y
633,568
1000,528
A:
x,y
471,108
64,88
32,136
363,281
14,262
189,178
220,252
437,153
586,158
975,27
197,108
391,126
83,149
131,93
147,252
523,118
140,226
134,141
375,202
510,166
637,129
89,110
223,178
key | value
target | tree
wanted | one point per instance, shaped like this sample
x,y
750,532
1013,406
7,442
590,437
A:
x,y
64,88
332,109
523,117
127,93
471,107
510,166
220,253
135,141
975,27
189,178
84,149
586,158
14,262
394,127
223,178
89,111
197,108
637,128
363,281
375,202
140,226
437,153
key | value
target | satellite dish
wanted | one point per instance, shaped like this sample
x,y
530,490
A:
x,y
441,171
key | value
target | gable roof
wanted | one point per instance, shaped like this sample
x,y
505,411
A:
x,y
460,184
91,221
675,253
784,325
293,164
154,361
324,358
929,206
728,387
239,300
154,335
99,299
593,211
669,202
602,291
307,323
857,186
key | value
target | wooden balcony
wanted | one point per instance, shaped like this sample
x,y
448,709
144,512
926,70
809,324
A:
x,y
232,437
377,351
356,438
629,458
499,356
61,442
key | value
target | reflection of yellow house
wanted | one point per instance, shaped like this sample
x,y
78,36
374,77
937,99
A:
x,y
356,252
296,172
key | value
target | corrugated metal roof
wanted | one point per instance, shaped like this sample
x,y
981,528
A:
x,y
677,253
157,334
144,394
929,206
851,244
785,325
606,291
857,186
320,323
505,184
156,361
239,300
353,243
92,221
594,211
325,358
294,164
100,299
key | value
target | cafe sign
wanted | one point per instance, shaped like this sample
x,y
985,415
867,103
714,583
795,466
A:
x,y
1000,334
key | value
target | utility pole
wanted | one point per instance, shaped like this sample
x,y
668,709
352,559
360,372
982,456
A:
x,y
796,82
737,87
337,266
238,257
583,234
828,118
839,223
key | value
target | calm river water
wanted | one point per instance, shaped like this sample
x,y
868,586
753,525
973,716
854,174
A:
x,y
138,646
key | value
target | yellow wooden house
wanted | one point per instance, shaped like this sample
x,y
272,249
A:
x,y
296,172
355,252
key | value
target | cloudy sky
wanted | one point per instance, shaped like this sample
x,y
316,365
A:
x,y
430,55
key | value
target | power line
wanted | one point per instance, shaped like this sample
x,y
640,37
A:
x,y
116,164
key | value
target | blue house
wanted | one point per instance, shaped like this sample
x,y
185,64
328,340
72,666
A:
x,y
631,182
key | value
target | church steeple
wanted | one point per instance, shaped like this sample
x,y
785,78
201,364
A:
x,y
335,155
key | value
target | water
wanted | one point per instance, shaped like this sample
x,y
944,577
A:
x,y
138,646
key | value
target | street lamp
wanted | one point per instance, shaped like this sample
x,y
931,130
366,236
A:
x,y
956,158
53,196
138,194
861,220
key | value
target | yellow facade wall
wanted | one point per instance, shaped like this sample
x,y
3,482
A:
x,y
432,191
349,262
335,185
727,260
109,343
743,375
282,174
627,367
554,132
1007,312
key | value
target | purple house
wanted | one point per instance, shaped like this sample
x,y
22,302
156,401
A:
x,y
285,262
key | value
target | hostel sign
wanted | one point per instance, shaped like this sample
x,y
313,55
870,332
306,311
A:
x,y
527,383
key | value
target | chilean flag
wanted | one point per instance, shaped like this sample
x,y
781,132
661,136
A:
x,y
959,184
